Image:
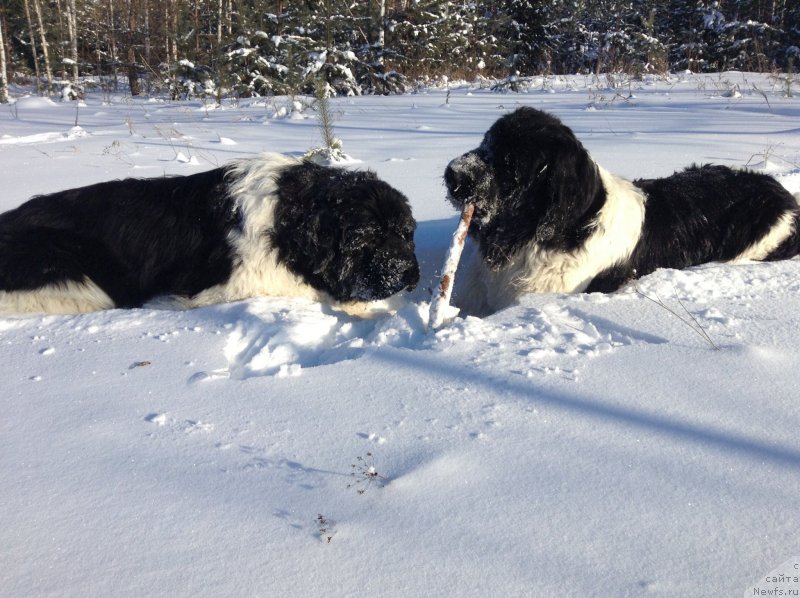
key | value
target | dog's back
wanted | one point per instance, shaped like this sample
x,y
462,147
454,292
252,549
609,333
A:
x,y
715,213
269,225
709,213
126,236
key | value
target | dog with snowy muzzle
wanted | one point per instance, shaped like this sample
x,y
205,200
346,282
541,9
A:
x,y
265,226
549,219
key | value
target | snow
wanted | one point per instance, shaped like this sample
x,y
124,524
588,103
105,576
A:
x,y
640,443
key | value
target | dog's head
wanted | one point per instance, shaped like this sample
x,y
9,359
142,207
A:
x,y
348,234
531,181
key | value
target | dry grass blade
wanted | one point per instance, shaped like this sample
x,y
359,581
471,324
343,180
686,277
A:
x,y
697,327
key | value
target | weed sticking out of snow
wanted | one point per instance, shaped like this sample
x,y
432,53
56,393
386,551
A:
x,y
325,529
688,318
365,475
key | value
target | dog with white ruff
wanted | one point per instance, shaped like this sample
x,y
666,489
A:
x,y
548,219
265,226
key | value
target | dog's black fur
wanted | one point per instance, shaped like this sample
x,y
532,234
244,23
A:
x,y
703,214
336,235
346,233
541,203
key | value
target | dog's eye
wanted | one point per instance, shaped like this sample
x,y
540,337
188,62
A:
x,y
360,232
407,232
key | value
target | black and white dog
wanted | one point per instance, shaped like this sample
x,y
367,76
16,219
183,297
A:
x,y
549,219
270,225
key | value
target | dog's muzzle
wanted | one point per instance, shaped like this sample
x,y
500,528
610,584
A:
x,y
467,178
458,181
388,273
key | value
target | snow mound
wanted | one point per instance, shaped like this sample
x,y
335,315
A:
x,y
35,103
279,337
184,159
224,140
327,156
72,133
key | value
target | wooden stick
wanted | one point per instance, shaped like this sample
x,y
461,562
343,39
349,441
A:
x,y
441,298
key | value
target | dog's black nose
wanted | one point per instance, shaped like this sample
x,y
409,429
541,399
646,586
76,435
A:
x,y
453,177
401,276
411,277
461,177
387,274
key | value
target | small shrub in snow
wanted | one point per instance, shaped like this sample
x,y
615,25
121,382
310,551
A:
x,y
331,150
192,81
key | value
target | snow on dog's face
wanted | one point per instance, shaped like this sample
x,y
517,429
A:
x,y
531,182
346,233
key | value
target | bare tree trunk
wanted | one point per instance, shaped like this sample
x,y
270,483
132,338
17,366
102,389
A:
x,y
45,52
3,66
377,32
219,22
33,46
133,72
167,52
196,17
61,65
112,28
147,40
173,28
72,29
779,11
171,42
380,27
328,27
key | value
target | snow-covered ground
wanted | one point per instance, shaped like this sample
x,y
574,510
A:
x,y
586,445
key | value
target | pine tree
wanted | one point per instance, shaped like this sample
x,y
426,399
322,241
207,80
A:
x,y
541,38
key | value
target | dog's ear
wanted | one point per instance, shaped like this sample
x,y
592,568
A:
x,y
560,193
320,240
563,194
311,247
520,210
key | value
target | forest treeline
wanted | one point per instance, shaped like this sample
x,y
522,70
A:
x,y
242,48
